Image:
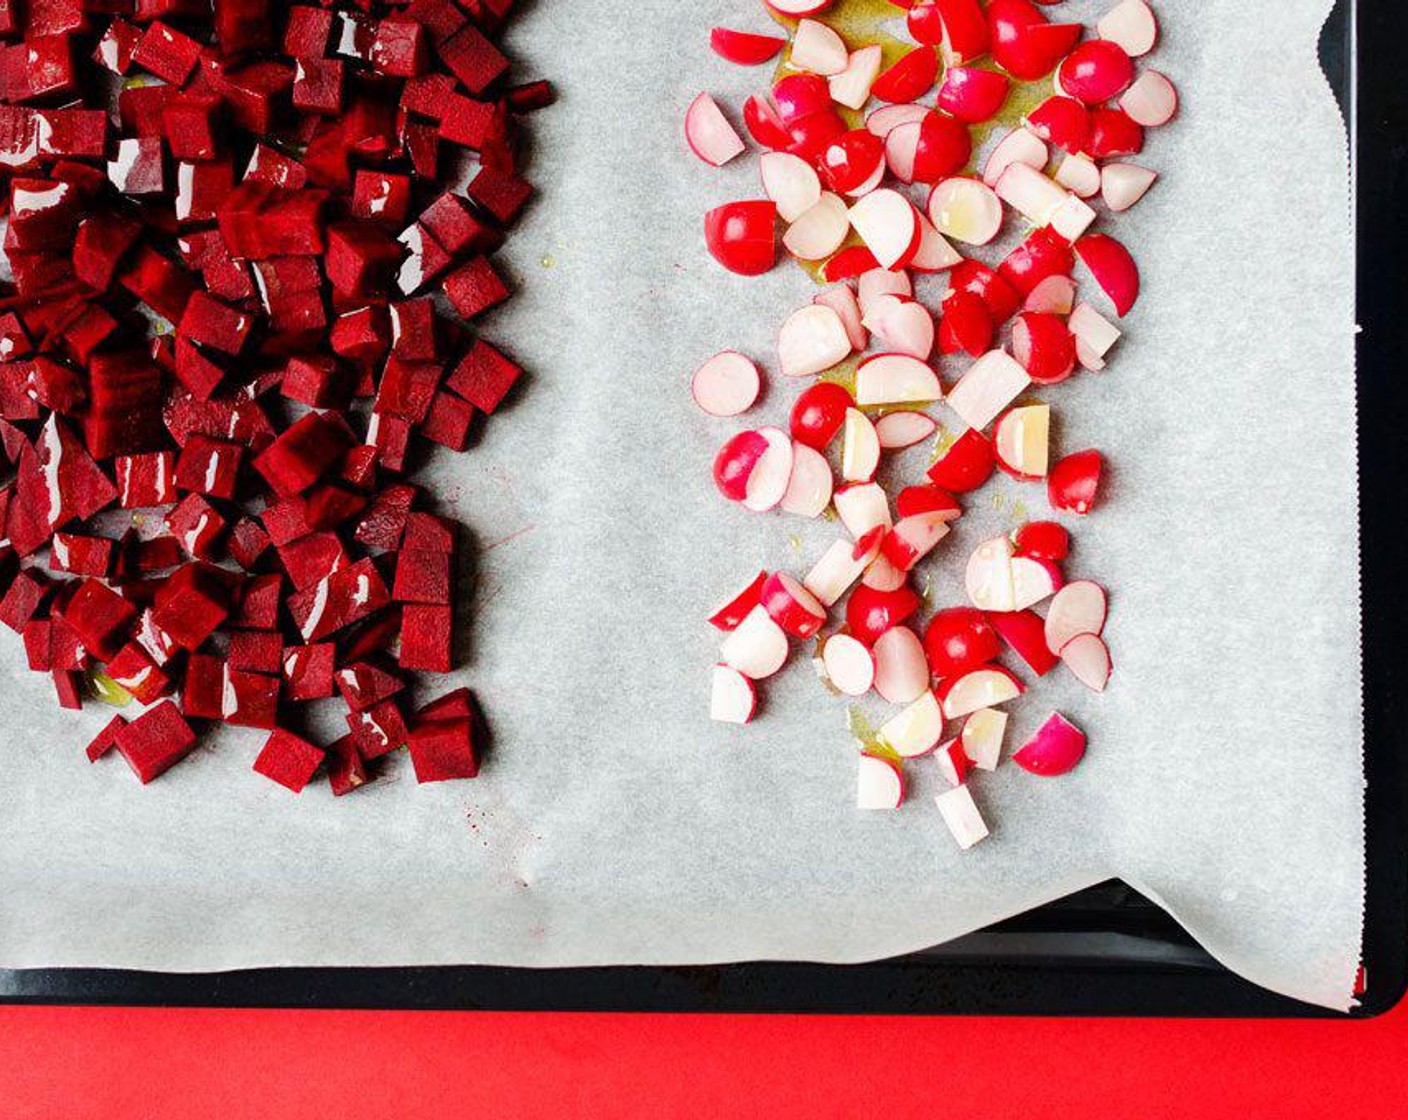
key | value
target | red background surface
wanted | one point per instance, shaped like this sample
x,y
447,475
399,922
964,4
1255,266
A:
x,y
77,1063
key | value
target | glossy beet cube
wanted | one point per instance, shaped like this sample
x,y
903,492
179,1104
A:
x,y
197,525
189,122
43,214
503,195
382,197
257,605
346,770
457,228
192,602
302,454
288,760
99,246
215,324
144,480
448,422
317,85
41,66
215,690
344,597
475,287
414,330
257,651
134,669
156,555
327,506
365,684
68,686
200,374
385,522
399,47
25,595
473,59
115,49
66,649
360,258
425,258
407,388
306,31
443,750
308,671
362,335
242,26
247,543
312,558
38,637
209,466
169,54
391,436
81,555
468,122
427,637
105,739
100,617
155,741
201,188
422,576
425,94
378,730
484,376
160,283
530,96
455,704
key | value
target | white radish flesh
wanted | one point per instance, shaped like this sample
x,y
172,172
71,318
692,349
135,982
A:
x,y
896,379
1131,24
887,118
901,150
907,327
790,182
1030,193
851,87
1072,217
809,489
860,447
1018,146
980,688
879,784
1088,659
914,537
833,574
898,430
1124,184
966,210
1094,335
989,386
757,648
1033,581
850,667
888,225
877,282
935,254
708,132
771,474
1079,175
901,669
817,48
1054,295
862,508
917,729
732,697
881,575
988,577
791,605
819,232
961,815
1021,438
726,385
1151,100
812,339
982,736
1078,608
842,299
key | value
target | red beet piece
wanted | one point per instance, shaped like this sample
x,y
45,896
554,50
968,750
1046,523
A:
x,y
475,287
308,671
214,690
258,605
503,195
288,760
209,466
23,598
134,669
484,376
474,59
342,598
443,750
448,422
258,651
191,604
100,617
426,637
155,741
84,556
197,525
365,684
105,739
302,454
378,730
346,770
68,686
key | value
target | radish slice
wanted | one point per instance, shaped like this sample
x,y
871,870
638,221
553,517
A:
x,y
1030,193
1056,748
934,253
860,447
851,87
984,687
988,577
850,667
908,327
965,210
1053,296
917,729
881,575
817,48
884,120
839,567
1032,581
708,133
842,300
790,182
1124,184
1151,100
744,48
888,225
1088,659
1094,335
902,149
819,232
896,379
773,471
990,385
1020,441
901,669
877,282
982,736
862,508
1131,24
1078,608
879,783
736,608
914,537
757,647
898,430
809,488
1018,146
812,339
1079,175
961,815
726,384
791,605
1113,268
952,762
732,697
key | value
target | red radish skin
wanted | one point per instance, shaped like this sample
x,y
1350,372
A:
x,y
965,29
1088,659
996,291
730,614
1078,608
791,605
953,762
726,385
914,500
958,639
1025,632
1074,482
1061,121
851,159
708,132
909,78
942,148
1024,43
913,538
869,613
741,236
1043,540
744,48
819,413
1113,268
799,96
1095,72
972,95
966,324
765,125
735,462
1113,132
1044,347
1055,749
965,464
733,698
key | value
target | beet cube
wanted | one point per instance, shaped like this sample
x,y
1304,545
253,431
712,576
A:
x,y
247,542
161,284
306,32
23,598
302,454
468,122
196,524
68,685
426,531
342,598
346,770
125,409
115,48
443,750
197,372
156,555
215,324
317,85
360,258
242,26
390,435
328,506
530,96
382,197
365,684
258,604
407,388
501,194
312,558
475,287
484,376
285,520
288,760
134,669
448,421
156,641
307,671
473,59
456,704
378,730
425,94
422,576
98,248
359,467
38,638
167,53
215,690
105,739
100,617
425,258
362,335
81,555
456,227
155,741
200,189
426,637
209,466
189,123
385,522
317,381
191,603
258,651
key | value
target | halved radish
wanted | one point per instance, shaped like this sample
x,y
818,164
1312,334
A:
x,y
1033,580
1043,346
952,762
909,78
965,464
881,575
1113,268
898,430
818,413
1056,748
841,298
862,508
1131,24
901,670
1088,659
735,462
765,124
1023,43
731,613
913,538
853,162
887,118
757,647
1113,132
726,384
984,687
791,182
960,813
971,94
812,339
1018,146
743,47
817,48
1079,175
741,236
798,8
988,577
1124,184
923,498
1025,632
934,253
1072,218
1078,608
1061,121
1095,72
839,567
708,132
917,729
1094,335
963,29
791,605
982,736
767,482
732,697
1073,484
945,146
1030,193
896,379
907,328
888,224
849,665
1151,100
860,447
879,783
809,489
966,210
1043,540
1052,296
819,232
1020,441
876,282
990,385
851,87
901,147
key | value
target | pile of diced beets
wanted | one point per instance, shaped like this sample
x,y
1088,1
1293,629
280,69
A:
x,y
242,280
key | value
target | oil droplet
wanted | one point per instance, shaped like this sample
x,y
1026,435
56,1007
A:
x,y
107,690
548,261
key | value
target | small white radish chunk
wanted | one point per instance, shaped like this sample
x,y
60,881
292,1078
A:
x,y
917,729
771,474
888,225
1094,333
708,132
1030,193
884,120
862,508
1056,748
1151,100
812,339
732,697
952,762
877,282
907,327
1072,218
896,379
934,253
985,687
1054,295
1088,659
1124,184
839,567
881,575
877,307
790,182
1078,608
989,386
757,647
960,813
1021,439
819,232
988,578
1131,24
966,210
726,385
841,298
791,605
982,736
1079,175
901,669
898,430
809,488
850,667
817,48
851,87
1033,581
860,447
1018,146
902,149
914,537
798,8
879,783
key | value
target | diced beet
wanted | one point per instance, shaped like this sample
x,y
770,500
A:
x,y
361,335
422,576
209,466
288,760
390,435
100,617
258,605
448,422
308,671
312,558
155,741
258,651
68,685
82,555
475,287
429,533
474,59
443,750
306,31
105,739
247,542
484,376
427,638
456,704
38,637
189,123
215,690
215,324
383,197
328,506
167,53
317,381
385,522
317,85
302,454
191,604
407,389
378,730
366,683
346,770
197,525
342,598
530,96
503,195
134,669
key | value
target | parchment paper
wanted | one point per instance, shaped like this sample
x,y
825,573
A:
x,y
613,822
